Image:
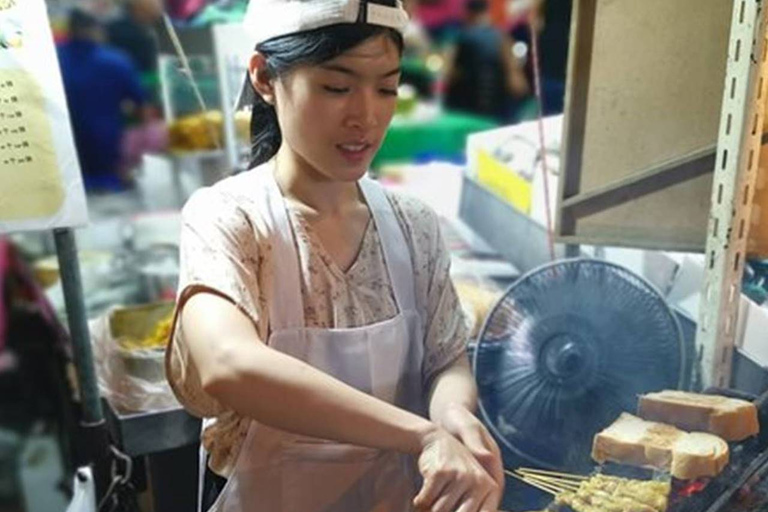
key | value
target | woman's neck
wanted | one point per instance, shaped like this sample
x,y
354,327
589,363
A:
x,y
300,182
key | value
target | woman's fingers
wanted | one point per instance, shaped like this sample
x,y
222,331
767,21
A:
x,y
432,488
448,502
467,428
454,478
491,503
480,443
485,497
493,462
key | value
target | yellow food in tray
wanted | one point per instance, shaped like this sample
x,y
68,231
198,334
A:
x,y
157,340
205,131
197,132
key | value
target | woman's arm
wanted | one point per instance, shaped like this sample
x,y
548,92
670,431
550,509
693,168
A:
x,y
277,390
452,406
258,382
454,386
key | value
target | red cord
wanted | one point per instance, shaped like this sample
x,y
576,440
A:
x,y
542,139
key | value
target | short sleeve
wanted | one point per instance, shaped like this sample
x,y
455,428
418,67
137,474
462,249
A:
x,y
446,330
218,254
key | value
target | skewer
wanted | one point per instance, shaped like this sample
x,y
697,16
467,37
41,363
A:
x,y
533,484
552,473
554,487
552,478
563,485
556,482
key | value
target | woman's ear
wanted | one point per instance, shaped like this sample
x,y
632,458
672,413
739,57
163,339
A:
x,y
260,79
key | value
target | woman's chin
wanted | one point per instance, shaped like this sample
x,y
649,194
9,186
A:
x,y
348,172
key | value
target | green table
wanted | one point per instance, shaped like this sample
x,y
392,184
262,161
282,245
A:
x,y
441,138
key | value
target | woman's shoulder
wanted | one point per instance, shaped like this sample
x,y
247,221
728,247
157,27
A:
x,y
417,218
229,211
232,197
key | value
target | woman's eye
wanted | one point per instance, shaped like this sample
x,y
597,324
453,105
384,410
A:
x,y
388,92
336,90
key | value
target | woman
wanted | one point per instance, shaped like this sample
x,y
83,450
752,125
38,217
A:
x,y
317,328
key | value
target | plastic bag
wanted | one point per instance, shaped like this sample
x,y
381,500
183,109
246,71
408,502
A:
x,y
133,381
84,499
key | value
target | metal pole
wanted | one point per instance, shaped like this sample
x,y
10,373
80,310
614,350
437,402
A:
x,y
66,250
735,173
93,440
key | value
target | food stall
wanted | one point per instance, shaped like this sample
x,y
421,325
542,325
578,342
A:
x,y
656,208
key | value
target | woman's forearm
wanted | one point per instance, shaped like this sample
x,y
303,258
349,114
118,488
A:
x,y
282,392
454,386
285,393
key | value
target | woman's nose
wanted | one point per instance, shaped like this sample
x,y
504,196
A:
x,y
363,111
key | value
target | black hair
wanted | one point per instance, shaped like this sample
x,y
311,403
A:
x,y
285,53
80,23
477,6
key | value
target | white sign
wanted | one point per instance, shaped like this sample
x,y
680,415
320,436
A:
x,y
40,182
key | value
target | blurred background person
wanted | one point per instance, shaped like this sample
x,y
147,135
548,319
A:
x,y
441,18
100,83
133,32
555,25
415,37
551,22
483,75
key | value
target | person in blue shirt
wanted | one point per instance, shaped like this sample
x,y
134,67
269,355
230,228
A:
x,y
99,83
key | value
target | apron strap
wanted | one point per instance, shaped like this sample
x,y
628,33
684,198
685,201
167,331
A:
x,y
202,466
286,309
397,255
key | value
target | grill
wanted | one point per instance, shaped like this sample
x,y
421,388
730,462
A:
x,y
741,487
568,348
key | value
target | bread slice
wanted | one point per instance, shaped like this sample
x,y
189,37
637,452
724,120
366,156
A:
x,y
728,418
698,454
631,440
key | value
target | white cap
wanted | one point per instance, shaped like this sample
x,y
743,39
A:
x,y
268,19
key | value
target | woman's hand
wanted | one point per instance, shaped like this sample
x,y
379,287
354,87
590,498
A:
x,y
454,480
458,421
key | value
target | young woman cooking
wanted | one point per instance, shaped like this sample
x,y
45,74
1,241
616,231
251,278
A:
x,y
317,329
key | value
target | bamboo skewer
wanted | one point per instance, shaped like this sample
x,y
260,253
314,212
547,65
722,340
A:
x,y
533,484
567,476
549,481
548,484
568,486
565,487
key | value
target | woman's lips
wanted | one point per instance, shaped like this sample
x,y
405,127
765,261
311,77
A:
x,y
355,152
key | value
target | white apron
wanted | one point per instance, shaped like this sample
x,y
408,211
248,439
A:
x,y
281,472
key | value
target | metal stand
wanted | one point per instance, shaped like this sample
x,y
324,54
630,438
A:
x,y
738,150
95,449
